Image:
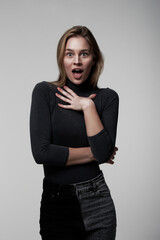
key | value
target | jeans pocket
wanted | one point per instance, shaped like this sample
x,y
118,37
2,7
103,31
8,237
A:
x,y
98,209
103,190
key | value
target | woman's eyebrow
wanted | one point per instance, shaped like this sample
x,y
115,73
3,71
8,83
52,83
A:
x,y
68,49
83,50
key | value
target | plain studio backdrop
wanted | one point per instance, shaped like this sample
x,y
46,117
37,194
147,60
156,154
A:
x,y
128,33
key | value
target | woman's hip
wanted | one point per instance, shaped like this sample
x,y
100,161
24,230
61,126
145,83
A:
x,y
77,208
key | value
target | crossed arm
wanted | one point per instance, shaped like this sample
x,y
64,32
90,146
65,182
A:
x,y
101,132
92,121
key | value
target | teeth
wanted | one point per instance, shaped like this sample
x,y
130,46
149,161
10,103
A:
x,y
77,71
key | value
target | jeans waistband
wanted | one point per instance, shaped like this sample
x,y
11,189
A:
x,y
85,186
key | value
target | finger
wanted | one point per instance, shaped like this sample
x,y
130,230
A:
x,y
64,106
110,161
64,93
116,148
63,98
92,96
112,157
70,91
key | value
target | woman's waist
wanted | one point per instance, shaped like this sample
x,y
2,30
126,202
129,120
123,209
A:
x,y
83,187
71,174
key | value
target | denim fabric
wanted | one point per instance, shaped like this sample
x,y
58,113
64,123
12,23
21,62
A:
x,y
80,211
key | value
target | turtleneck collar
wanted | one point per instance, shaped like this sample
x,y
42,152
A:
x,y
79,88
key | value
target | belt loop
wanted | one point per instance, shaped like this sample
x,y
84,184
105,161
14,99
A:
x,y
74,189
94,186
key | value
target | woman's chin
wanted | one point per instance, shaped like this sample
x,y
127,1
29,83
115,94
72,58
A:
x,y
77,81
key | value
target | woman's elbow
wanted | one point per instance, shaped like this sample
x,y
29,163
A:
x,y
38,156
105,155
39,152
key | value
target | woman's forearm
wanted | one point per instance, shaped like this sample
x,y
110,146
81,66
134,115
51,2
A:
x,y
101,134
92,120
86,104
80,156
93,126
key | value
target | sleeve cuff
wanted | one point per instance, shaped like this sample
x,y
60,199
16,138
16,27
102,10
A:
x,y
101,146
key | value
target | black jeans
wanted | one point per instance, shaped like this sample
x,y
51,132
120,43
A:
x,y
81,211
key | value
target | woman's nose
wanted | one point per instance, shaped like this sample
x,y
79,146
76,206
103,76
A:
x,y
77,60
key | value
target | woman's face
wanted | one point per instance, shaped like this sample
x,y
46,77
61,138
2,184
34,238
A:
x,y
78,59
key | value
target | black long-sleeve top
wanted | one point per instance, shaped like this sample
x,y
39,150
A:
x,y
53,130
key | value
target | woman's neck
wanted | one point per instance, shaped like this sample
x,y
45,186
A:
x,y
78,88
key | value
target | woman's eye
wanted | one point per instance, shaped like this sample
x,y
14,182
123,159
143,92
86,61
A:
x,y
69,54
84,54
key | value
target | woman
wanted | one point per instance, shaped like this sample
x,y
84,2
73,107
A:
x,y
73,130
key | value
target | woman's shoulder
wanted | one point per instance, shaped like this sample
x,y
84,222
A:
x,y
107,97
43,91
44,86
108,93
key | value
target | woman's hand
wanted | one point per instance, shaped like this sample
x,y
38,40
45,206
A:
x,y
110,161
85,104
75,102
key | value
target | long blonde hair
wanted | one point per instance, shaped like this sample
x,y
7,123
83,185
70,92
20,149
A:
x,y
98,58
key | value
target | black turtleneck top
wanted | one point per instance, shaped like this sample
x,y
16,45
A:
x,y
54,129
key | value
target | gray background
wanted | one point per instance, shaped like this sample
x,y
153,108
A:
x,y
128,33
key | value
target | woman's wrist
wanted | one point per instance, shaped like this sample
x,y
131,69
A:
x,y
88,104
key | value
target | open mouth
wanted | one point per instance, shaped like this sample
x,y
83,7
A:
x,y
77,73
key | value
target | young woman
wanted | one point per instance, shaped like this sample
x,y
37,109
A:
x,y
73,130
